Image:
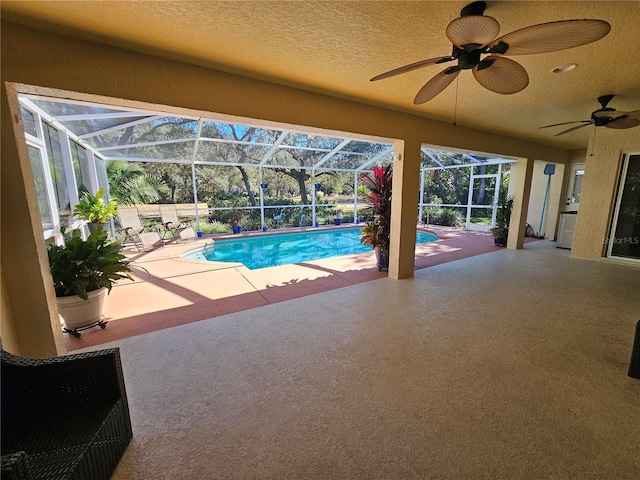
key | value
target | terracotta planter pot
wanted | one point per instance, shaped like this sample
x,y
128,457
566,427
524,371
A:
x,y
77,313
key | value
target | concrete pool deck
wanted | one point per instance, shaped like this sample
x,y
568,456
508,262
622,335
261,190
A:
x,y
169,290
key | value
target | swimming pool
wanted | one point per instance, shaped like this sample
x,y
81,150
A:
x,y
272,250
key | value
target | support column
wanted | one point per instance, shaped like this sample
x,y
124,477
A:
x,y
406,175
521,176
195,194
29,316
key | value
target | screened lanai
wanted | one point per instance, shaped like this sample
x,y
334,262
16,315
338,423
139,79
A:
x,y
280,177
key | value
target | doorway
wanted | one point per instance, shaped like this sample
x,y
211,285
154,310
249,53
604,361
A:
x,y
624,240
574,189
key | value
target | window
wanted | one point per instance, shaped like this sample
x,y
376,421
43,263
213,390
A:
x,y
41,187
624,240
56,167
81,168
28,121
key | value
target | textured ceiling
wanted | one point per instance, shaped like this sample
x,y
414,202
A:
x,y
335,47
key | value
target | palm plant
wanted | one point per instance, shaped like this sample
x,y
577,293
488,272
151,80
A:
x,y
130,184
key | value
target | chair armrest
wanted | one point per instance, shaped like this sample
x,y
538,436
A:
x,y
135,231
30,385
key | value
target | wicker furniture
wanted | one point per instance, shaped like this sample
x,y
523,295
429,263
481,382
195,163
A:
x,y
65,417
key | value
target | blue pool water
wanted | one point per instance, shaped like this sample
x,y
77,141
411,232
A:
x,y
271,250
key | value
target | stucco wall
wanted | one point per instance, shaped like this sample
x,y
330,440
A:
x,y
601,176
536,201
35,57
28,299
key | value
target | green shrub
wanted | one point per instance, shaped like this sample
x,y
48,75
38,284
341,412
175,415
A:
x,y
214,227
448,217
252,222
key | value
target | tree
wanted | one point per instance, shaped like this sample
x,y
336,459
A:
x,y
301,175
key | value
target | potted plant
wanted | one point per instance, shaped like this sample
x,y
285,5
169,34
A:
x,y
503,217
237,214
236,227
377,230
83,273
95,210
337,217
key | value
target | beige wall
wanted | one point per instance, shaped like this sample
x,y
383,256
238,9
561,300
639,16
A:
x,y
577,156
123,77
536,201
601,176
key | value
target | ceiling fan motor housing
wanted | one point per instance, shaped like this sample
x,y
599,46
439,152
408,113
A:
x,y
468,60
475,8
600,119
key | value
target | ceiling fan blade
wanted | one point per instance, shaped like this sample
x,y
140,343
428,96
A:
x,y
622,123
550,37
634,114
607,113
568,123
436,85
501,75
412,66
572,129
473,31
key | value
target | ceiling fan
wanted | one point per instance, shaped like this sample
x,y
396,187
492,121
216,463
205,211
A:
x,y
473,35
604,117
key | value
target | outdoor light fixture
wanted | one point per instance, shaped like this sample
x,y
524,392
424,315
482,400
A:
x,y
564,68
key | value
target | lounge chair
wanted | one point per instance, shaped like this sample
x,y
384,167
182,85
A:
x,y
134,230
180,229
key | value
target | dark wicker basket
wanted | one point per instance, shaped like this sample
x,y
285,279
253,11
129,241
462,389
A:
x,y
65,417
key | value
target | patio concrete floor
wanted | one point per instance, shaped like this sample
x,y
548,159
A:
x,y
169,290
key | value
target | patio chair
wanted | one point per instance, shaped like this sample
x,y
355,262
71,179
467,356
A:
x,y
180,229
134,230
64,417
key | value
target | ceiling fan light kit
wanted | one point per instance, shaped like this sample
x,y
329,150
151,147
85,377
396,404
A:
x,y
564,68
473,35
